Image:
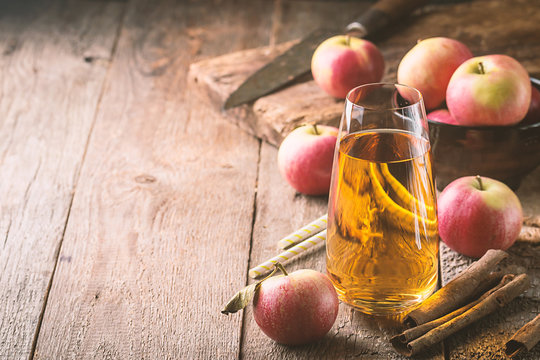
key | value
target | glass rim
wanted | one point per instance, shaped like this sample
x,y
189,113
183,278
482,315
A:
x,y
386,84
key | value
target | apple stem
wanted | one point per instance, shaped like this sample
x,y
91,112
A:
x,y
479,179
280,267
481,68
315,129
348,40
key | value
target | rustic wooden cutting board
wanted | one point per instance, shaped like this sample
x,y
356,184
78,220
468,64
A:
x,y
270,117
483,26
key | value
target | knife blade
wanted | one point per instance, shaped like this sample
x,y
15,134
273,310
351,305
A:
x,y
296,61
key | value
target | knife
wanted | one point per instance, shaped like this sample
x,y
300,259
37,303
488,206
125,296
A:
x,y
296,61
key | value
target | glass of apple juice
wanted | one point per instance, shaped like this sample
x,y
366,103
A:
x,y
382,242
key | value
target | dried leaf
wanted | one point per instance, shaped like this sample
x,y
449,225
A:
x,y
240,300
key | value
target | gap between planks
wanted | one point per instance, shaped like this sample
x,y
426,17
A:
x,y
253,218
275,26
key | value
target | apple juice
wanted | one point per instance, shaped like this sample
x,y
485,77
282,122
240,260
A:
x,y
382,241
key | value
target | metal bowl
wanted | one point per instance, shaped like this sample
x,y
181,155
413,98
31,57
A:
x,y
505,153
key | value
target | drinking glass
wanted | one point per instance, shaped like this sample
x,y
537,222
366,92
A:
x,y
382,242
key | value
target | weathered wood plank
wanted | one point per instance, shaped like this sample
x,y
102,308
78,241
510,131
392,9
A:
x,y
279,211
159,231
485,26
53,60
486,338
276,114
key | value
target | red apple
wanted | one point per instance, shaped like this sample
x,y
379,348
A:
x,y
341,63
489,90
477,214
305,158
429,65
297,308
442,116
533,114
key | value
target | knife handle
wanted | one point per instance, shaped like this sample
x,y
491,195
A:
x,y
382,14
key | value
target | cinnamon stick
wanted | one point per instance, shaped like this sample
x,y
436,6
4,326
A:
x,y
532,220
457,292
530,234
492,302
416,332
524,339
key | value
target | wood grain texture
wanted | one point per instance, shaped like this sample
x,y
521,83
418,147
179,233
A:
x,y
486,338
485,26
53,60
281,210
275,115
159,233
173,203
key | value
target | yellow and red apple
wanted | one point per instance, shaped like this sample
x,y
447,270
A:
x,y
296,308
442,116
305,158
477,214
342,63
489,90
429,65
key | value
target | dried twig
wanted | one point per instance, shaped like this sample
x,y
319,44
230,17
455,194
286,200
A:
x,y
524,339
457,292
490,303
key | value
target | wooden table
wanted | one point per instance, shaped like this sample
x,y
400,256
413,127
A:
x,y
130,210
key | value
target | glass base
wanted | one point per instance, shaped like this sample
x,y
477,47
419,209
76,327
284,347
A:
x,y
386,307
